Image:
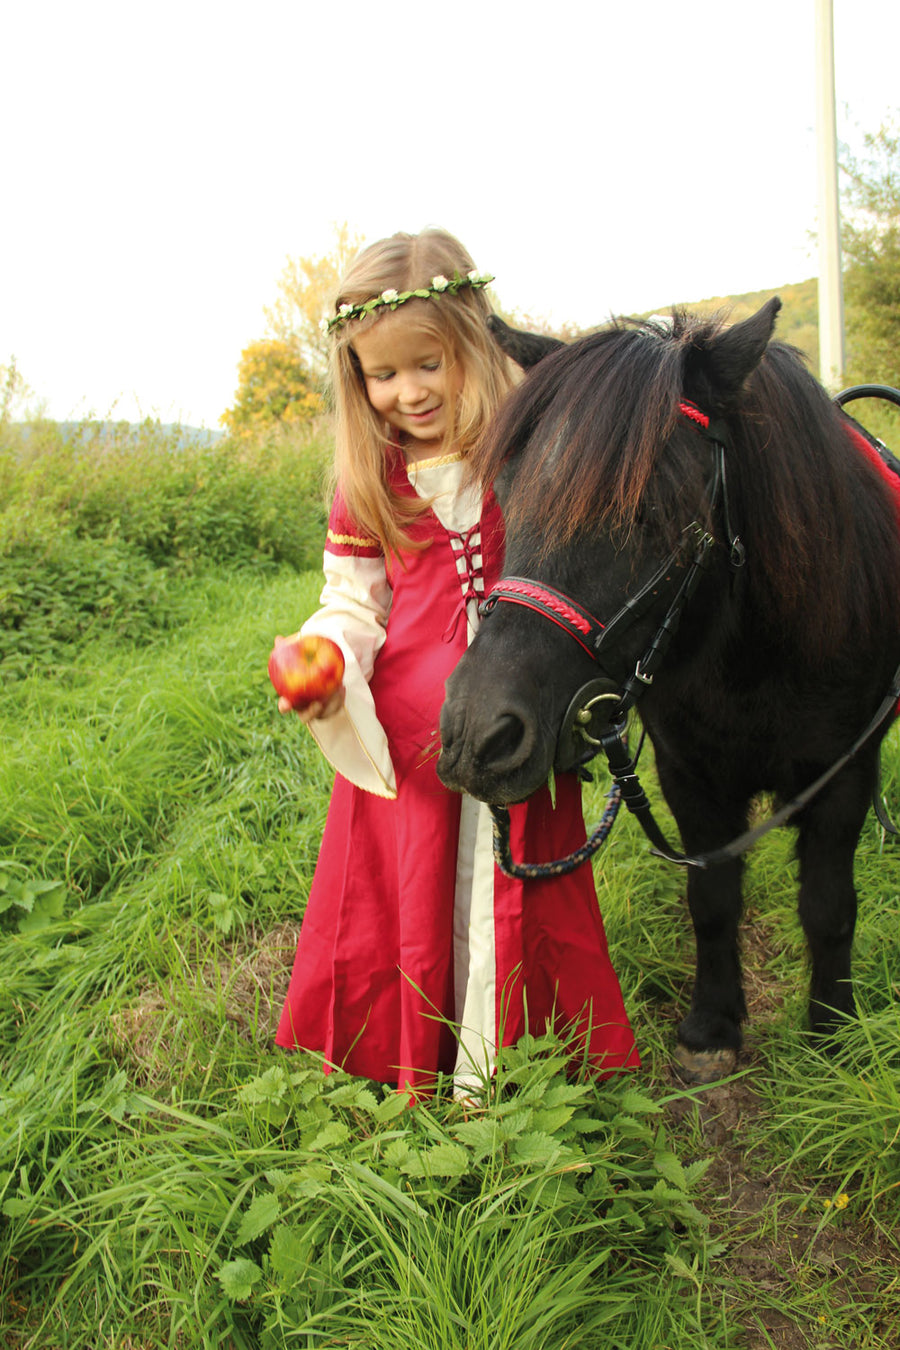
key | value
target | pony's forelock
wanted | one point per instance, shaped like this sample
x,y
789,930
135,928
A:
x,y
587,426
593,442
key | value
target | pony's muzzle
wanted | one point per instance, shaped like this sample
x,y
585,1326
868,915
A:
x,y
482,746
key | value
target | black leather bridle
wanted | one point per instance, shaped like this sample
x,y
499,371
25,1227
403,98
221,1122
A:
x,y
675,581
678,578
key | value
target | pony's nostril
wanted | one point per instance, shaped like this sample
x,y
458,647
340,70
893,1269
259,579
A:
x,y
504,742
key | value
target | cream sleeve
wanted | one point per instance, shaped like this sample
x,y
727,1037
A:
x,y
355,603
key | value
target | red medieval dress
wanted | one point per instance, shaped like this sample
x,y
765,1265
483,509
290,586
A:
x,y
416,955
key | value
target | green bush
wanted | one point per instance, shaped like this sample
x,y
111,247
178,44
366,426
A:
x,y
56,588
96,515
169,496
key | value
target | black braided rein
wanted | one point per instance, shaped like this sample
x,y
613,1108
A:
x,y
562,866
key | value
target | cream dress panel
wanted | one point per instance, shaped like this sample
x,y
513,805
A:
x,y
355,605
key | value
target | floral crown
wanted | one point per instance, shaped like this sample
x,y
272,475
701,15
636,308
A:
x,y
440,285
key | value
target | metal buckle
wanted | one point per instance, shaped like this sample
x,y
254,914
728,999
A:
x,y
575,742
584,715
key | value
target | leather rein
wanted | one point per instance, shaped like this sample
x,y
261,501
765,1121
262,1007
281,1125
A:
x,y
678,577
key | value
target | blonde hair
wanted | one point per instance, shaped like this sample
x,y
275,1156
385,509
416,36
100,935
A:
x,y
459,322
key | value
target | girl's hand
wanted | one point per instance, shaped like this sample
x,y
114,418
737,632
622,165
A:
x,y
316,711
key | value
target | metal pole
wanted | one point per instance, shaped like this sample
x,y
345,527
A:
x,y
831,295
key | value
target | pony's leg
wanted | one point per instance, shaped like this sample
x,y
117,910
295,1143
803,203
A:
x,y
828,836
710,1036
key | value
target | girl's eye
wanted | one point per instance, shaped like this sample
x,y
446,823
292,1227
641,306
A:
x,y
382,377
431,365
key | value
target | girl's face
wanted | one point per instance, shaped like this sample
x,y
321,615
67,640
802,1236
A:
x,y
408,382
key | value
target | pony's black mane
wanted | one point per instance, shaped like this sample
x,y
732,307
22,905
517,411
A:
x,y
594,441
591,418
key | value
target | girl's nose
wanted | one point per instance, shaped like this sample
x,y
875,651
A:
x,y
412,390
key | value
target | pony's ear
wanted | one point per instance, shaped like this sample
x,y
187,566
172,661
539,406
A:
x,y
526,349
725,361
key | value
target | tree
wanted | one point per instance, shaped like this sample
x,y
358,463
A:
x,y
13,391
871,241
306,292
274,390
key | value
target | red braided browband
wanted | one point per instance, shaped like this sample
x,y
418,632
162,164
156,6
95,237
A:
x,y
559,608
528,591
688,409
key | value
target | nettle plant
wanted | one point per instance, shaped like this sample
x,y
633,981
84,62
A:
x,y
371,1203
28,903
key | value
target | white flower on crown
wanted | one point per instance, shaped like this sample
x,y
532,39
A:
x,y
439,283
324,325
345,310
389,295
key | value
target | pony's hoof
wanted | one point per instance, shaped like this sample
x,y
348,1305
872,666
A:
x,y
704,1066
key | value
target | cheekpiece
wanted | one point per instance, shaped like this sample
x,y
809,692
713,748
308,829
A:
x,y
390,298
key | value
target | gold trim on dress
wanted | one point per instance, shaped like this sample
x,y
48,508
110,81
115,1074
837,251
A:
x,y
437,462
351,540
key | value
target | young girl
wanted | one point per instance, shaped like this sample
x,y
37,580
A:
x,y
416,955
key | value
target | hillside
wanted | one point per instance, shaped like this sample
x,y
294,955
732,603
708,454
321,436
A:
x,y
797,322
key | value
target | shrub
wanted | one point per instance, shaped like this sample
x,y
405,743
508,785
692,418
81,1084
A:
x,y
96,516
173,498
57,588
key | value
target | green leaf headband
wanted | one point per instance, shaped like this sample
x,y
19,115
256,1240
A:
x,y
440,285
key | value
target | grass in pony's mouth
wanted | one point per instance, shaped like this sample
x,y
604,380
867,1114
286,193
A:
x,y
431,750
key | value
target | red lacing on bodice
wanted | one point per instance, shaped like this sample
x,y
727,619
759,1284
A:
x,y
470,568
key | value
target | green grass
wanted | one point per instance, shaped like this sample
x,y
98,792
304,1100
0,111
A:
x,y
167,1178
149,1132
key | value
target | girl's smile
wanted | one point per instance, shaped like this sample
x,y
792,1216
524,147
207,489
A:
x,y
408,381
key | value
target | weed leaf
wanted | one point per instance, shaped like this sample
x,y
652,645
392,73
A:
x,y
263,1212
238,1278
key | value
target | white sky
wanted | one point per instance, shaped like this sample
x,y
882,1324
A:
x,y
160,162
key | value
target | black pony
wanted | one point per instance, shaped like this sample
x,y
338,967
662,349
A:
x,y
654,468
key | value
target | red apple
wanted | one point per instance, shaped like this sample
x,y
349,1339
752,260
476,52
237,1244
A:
x,y
306,670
